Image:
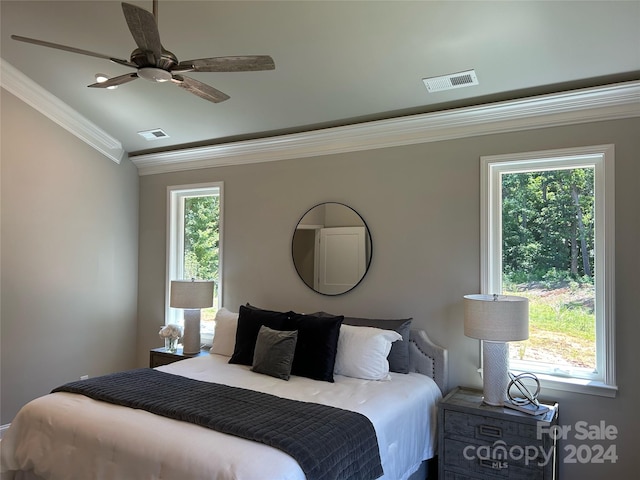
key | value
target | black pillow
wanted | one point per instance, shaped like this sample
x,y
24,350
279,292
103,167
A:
x,y
317,345
250,319
274,351
399,355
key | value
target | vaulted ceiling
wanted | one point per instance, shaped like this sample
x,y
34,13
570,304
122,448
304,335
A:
x,y
337,62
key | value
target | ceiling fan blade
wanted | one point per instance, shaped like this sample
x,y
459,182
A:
x,y
200,89
73,50
144,29
115,81
250,63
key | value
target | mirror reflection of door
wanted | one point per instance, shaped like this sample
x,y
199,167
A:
x,y
331,248
341,260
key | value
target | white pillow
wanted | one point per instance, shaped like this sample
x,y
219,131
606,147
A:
x,y
362,352
224,337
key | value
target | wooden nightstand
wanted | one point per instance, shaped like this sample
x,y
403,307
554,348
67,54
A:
x,y
477,441
160,356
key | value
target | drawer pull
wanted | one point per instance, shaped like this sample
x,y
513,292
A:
x,y
493,464
489,431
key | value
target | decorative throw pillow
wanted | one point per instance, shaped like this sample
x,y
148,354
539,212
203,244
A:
x,y
224,337
362,352
399,355
250,319
274,351
317,346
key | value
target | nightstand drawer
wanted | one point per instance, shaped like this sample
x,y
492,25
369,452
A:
x,y
500,460
488,429
457,476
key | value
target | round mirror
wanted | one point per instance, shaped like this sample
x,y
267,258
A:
x,y
331,248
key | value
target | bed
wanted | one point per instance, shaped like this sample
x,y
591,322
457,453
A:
x,y
68,436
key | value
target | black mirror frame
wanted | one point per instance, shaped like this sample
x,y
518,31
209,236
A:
x,y
369,240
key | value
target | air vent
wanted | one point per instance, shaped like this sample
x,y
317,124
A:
x,y
451,81
155,134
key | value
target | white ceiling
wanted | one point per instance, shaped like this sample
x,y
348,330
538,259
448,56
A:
x,y
337,62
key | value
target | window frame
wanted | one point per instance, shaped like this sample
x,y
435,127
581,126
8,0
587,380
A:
x,y
602,159
175,242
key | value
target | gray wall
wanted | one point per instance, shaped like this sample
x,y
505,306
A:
x,y
69,247
421,203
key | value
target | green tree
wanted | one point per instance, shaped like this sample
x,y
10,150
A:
x,y
201,237
548,224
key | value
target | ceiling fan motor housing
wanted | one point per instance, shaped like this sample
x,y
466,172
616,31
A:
x,y
145,58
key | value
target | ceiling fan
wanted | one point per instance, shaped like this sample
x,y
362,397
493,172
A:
x,y
156,64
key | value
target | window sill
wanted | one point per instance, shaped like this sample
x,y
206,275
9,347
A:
x,y
206,338
576,385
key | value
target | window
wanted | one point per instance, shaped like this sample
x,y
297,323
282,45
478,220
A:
x,y
194,245
547,221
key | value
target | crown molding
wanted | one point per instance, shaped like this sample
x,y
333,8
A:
x,y
609,102
17,83
573,107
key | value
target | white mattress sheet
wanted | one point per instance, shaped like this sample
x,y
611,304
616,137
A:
x,y
68,436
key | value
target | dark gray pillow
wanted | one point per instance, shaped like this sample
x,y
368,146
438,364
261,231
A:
x,y
274,351
399,355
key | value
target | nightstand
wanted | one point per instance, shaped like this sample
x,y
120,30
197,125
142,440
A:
x,y
477,441
160,356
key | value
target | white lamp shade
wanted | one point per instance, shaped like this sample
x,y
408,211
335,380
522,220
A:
x,y
191,294
497,318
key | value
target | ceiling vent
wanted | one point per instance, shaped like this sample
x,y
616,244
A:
x,y
155,134
451,81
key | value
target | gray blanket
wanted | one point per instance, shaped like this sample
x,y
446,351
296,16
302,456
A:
x,y
327,442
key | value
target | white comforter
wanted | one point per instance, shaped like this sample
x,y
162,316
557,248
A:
x,y
67,436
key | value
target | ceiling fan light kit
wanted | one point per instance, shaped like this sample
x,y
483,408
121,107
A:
x,y
156,64
101,78
154,74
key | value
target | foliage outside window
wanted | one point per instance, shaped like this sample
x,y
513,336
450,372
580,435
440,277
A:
x,y
194,249
548,235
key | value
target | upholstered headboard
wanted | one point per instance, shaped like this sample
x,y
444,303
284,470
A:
x,y
427,358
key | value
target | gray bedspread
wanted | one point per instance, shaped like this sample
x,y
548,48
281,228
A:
x,y
327,442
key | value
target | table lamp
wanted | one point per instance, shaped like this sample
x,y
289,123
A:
x,y
496,319
191,295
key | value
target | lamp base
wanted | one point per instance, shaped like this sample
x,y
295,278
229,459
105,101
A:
x,y
191,337
495,368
